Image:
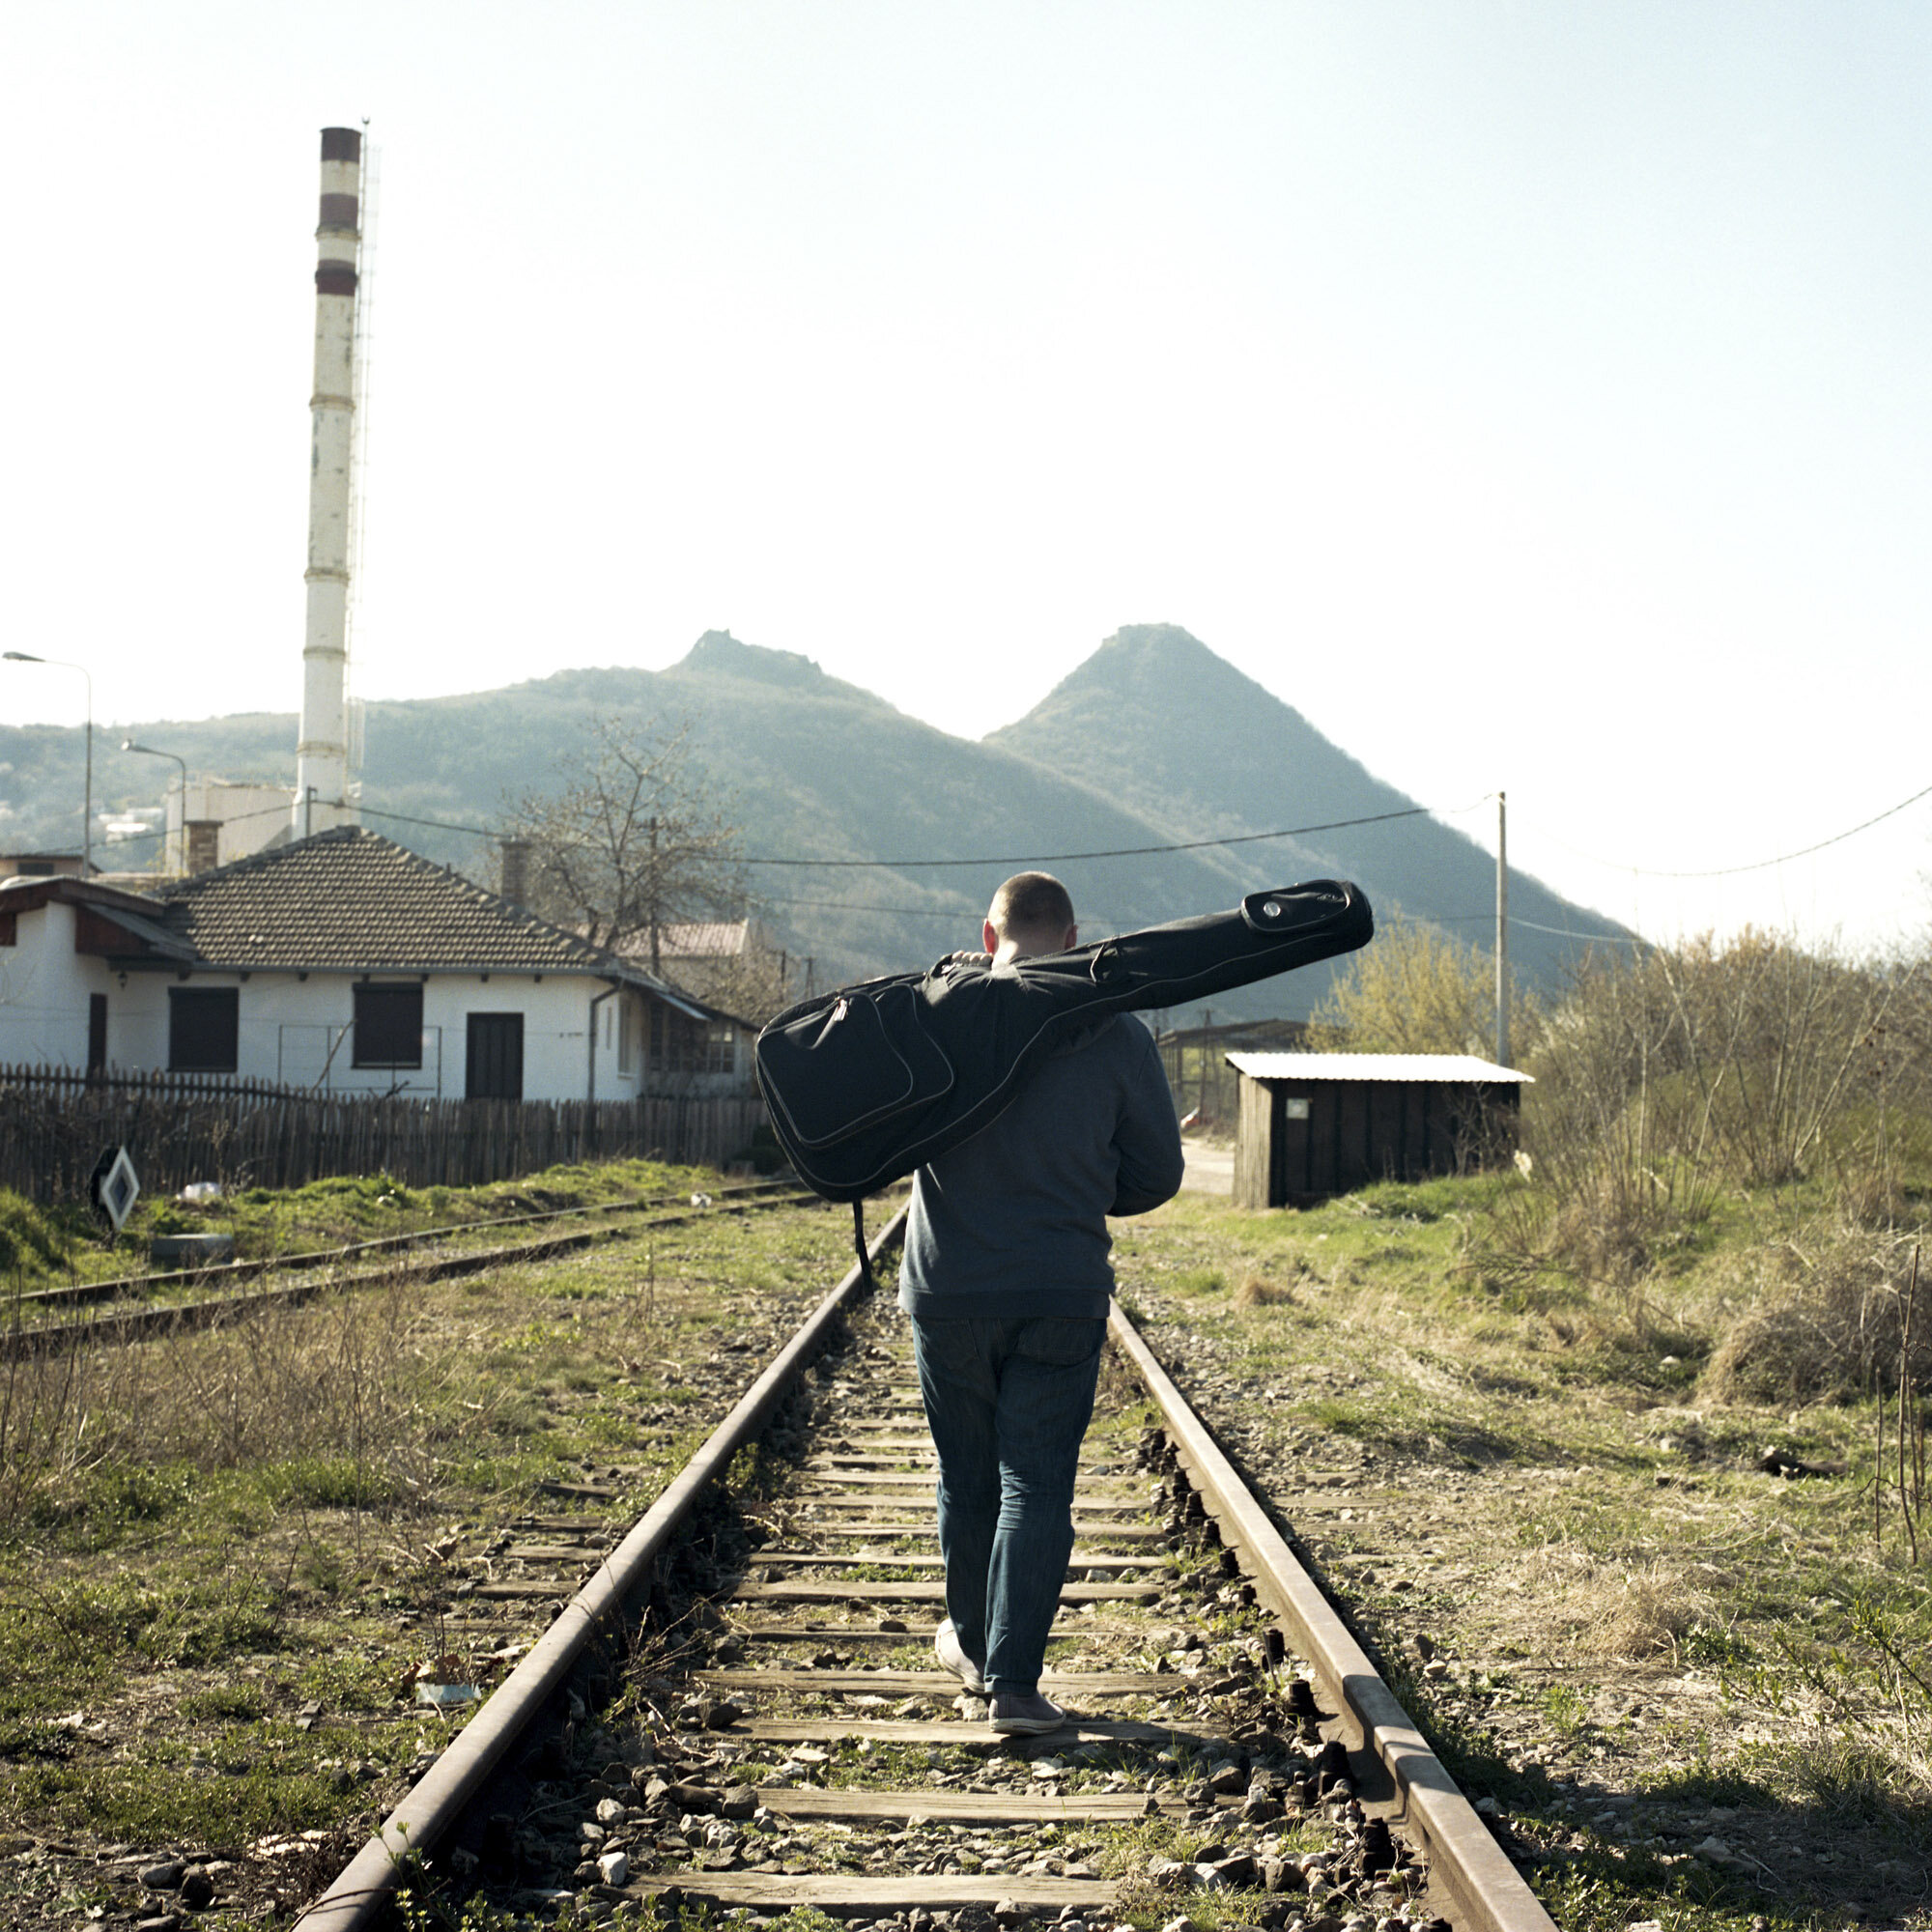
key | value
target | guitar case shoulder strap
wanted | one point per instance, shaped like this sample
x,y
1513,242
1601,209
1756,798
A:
x,y
870,1082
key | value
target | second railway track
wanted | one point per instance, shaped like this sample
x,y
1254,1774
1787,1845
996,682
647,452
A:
x,y
152,1304
742,1706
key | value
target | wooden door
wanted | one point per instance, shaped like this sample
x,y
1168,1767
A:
x,y
494,1059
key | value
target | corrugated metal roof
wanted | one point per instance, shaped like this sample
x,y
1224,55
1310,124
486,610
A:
x,y
1449,1067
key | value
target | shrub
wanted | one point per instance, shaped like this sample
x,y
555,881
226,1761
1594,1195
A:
x,y
1667,1078
1827,1321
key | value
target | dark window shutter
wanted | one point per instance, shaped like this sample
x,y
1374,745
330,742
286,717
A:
x,y
204,1029
388,1026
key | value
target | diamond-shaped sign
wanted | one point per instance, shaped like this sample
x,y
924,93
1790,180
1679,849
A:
x,y
115,1187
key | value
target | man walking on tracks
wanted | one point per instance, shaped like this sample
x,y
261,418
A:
x,y
1007,1279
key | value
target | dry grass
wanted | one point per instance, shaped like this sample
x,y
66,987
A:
x,y
339,1379
1569,1604
1258,1292
1826,1320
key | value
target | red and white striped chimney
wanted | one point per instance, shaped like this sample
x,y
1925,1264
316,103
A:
x,y
321,755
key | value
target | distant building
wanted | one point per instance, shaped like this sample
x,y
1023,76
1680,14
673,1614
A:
x,y
1312,1125
42,866
732,961
211,822
347,963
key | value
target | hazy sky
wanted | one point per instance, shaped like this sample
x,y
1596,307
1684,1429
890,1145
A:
x,y
1536,396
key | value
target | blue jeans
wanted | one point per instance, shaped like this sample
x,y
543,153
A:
x,y
1008,1402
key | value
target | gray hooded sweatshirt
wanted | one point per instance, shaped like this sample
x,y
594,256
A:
x,y
1013,1222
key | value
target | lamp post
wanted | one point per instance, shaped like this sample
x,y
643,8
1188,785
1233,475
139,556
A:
x,y
149,752
87,794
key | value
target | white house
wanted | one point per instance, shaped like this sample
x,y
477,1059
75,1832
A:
x,y
347,963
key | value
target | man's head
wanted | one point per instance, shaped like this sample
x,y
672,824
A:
x,y
1030,914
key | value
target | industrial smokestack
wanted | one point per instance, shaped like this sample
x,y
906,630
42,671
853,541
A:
x,y
321,755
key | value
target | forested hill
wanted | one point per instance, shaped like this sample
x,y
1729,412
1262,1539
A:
x,y
1154,740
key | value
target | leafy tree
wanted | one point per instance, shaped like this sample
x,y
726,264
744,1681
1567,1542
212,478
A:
x,y
1417,989
637,839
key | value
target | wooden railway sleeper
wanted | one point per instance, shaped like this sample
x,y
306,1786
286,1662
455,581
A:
x,y
671,1809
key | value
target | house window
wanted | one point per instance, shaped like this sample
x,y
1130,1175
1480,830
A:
x,y
627,1035
683,1046
388,1026
204,1029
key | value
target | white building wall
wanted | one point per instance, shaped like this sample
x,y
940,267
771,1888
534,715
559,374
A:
x,y
297,1032
44,986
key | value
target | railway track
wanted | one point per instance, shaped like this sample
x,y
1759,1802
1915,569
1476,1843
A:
x,y
166,1303
741,1706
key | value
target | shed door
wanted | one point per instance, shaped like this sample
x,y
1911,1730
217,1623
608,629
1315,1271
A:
x,y
494,1064
97,1032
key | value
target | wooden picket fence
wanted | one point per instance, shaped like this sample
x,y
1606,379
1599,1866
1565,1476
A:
x,y
55,1124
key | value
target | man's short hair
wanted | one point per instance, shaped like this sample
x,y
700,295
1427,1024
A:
x,y
1032,906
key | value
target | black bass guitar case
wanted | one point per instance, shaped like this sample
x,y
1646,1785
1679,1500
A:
x,y
865,1084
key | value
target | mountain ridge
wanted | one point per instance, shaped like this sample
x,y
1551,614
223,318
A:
x,y
880,837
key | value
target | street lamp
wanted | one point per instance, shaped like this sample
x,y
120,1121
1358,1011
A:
x,y
149,752
87,795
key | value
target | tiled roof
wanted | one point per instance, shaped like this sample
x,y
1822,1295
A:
x,y
352,900
1463,1068
691,939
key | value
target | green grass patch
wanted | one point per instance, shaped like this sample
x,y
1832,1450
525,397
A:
x,y
164,1798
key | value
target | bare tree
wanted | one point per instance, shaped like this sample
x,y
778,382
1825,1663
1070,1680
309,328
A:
x,y
636,841
1418,989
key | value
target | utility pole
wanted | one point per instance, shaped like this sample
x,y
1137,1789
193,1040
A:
x,y
1502,932
656,962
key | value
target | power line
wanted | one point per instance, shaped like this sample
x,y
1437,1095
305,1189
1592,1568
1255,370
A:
x,y
1756,865
438,824
1005,859
1067,858
1187,845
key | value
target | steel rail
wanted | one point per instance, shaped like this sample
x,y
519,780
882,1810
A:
x,y
439,1798
171,1316
1463,1857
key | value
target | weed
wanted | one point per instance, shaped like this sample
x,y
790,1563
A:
x,y
1565,1709
1255,1291
1199,1281
32,1239
225,1704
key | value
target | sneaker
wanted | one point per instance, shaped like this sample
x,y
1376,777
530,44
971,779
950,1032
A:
x,y
1025,1713
952,1654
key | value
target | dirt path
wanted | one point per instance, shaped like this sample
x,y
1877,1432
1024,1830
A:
x,y
1211,1167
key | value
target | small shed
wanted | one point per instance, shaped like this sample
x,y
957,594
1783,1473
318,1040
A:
x,y
1311,1126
